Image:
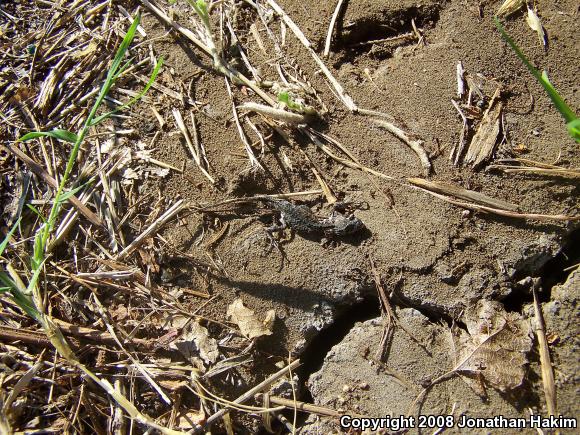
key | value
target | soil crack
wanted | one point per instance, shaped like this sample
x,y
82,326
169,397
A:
x,y
380,32
554,272
313,356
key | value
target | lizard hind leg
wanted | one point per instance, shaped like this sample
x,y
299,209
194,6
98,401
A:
x,y
276,228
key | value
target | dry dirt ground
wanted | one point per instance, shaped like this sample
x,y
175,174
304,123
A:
x,y
440,265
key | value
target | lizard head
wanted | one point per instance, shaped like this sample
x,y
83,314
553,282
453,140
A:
x,y
345,225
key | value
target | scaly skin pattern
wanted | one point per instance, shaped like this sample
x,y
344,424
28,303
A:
x,y
301,219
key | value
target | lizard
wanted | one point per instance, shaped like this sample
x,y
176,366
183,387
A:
x,y
300,218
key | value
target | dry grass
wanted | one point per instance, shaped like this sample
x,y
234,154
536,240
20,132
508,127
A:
x,y
107,323
54,73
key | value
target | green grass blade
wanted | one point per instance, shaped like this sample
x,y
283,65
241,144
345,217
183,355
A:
x,y
4,242
574,129
39,245
122,50
284,97
66,195
517,50
64,135
123,68
200,8
134,99
6,281
109,81
115,67
34,278
558,101
20,298
36,212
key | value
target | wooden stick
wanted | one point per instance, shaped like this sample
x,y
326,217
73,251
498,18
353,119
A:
x,y
340,91
461,193
250,393
42,173
172,211
331,27
203,47
415,144
500,212
303,406
545,360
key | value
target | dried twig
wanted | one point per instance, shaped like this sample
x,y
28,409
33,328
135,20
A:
x,y
340,91
303,406
331,26
414,143
483,143
501,212
351,163
387,310
536,168
460,75
42,173
170,213
196,152
391,321
328,193
457,151
254,162
545,360
461,193
274,113
251,392
454,371
230,72
408,35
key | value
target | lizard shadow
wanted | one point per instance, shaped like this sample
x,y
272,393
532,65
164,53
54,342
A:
x,y
296,297
331,241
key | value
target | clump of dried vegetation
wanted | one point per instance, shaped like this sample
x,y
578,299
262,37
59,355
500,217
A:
x,y
74,228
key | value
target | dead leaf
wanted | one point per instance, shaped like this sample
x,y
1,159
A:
x,y
107,146
484,140
172,384
536,25
119,313
130,174
196,342
148,259
159,172
247,321
89,49
191,418
144,155
520,148
494,346
509,7
270,319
